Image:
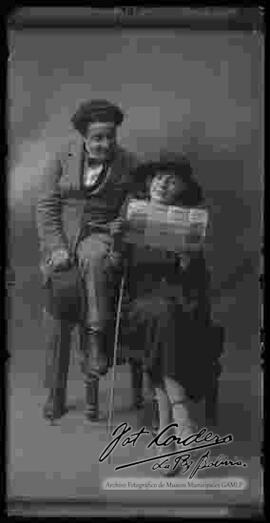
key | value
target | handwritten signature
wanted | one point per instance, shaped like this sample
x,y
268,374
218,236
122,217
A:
x,y
185,463
200,440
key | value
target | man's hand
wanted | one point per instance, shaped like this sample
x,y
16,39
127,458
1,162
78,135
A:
x,y
189,306
118,226
116,259
60,259
184,260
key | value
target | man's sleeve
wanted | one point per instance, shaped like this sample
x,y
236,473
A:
x,y
49,209
133,162
137,188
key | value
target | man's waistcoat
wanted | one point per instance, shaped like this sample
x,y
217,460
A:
x,y
65,204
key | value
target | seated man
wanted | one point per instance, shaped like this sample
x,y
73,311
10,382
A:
x,y
82,191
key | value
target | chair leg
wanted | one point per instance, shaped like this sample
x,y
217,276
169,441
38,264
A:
x,y
137,383
211,403
91,383
155,415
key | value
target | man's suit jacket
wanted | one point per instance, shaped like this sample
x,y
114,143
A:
x,y
64,203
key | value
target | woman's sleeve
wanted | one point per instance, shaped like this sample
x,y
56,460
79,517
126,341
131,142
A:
x,y
204,293
197,288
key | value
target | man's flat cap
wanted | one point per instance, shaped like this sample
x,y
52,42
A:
x,y
96,111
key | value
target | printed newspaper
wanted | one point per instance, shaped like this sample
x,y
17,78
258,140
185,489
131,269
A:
x,y
166,227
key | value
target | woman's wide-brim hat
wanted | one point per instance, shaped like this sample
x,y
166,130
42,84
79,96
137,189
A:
x,y
170,162
96,111
176,162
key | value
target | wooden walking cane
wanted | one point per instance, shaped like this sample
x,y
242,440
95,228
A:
x,y
116,336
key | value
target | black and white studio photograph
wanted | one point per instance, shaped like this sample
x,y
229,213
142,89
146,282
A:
x,y
135,218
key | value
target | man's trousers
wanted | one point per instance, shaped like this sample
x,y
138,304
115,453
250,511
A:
x,y
93,255
100,280
58,345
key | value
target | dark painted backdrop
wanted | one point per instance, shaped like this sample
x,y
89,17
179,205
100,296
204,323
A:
x,y
196,92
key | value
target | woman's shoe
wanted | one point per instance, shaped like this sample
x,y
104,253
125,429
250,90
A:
x,y
174,466
185,426
169,468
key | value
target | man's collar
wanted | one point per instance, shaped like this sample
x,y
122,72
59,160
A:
x,y
92,162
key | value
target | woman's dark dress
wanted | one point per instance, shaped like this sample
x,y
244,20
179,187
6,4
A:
x,y
168,321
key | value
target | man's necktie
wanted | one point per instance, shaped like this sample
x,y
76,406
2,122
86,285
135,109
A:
x,y
95,174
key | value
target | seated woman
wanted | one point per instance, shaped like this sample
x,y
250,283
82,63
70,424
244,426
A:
x,y
169,323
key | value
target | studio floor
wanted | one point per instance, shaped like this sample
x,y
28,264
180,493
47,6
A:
x,y
61,462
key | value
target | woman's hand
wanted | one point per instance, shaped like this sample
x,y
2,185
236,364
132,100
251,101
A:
x,y
184,260
189,306
60,259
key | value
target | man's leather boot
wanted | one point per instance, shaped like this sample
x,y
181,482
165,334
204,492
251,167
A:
x,y
55,406
96,361
91,382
